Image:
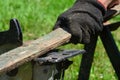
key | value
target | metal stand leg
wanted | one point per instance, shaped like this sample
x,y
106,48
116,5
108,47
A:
x,y
112,52
87,60
111,49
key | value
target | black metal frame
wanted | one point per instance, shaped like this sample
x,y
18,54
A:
x,y
111,50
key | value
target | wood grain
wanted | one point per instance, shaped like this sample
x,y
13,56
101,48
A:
x,y
20,55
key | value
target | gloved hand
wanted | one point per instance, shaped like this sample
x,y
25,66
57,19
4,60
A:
x,y
82,20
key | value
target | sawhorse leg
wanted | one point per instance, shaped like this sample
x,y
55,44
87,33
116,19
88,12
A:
x,y
87,60
111,49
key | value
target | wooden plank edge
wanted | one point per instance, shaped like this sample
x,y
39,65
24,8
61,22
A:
x,y
29,58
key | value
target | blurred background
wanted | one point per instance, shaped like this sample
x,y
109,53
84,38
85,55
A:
x,y
37,18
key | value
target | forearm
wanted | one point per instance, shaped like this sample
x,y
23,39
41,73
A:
x,y
105,3
109,3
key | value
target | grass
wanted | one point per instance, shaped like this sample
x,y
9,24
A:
x,y
37,17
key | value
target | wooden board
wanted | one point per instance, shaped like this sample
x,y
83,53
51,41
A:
x,y
20,55
117,8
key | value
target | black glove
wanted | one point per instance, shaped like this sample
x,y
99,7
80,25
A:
x,y
82,20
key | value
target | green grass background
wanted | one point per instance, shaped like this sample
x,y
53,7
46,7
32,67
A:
x,y
37,17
